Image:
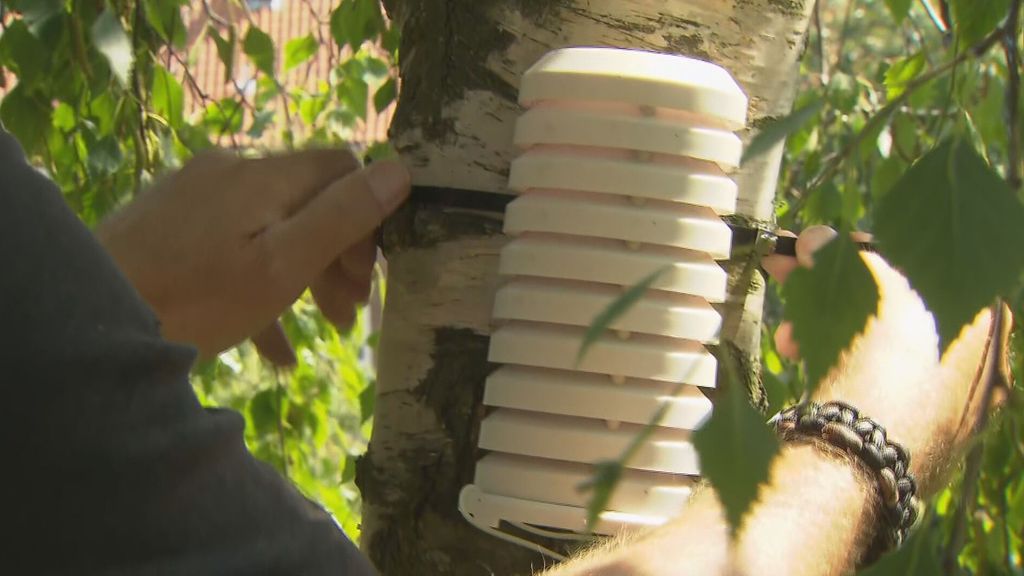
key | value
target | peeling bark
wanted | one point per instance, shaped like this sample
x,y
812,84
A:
x,y
461,64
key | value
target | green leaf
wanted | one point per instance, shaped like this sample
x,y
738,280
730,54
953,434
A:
x,y
299,50
354,22
64,117
260,121
974,19
111,40
736,447
105,156
36,11
776,130
25,53
966,243
27,117
385,95
368,401
917,557
168,97
899,9
225,50
902,73
601,483
264,411
355,94
259,47
224,116
829,305
616,309
348,471
165,17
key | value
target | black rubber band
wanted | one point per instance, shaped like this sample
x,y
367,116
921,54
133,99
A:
x,y
496,202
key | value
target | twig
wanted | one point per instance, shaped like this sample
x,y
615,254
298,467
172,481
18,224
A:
x,y
940,121
944,11
883,115
843,32
141,148
281,441
936,19
1012,51
972,475
823,62
972,471
213,15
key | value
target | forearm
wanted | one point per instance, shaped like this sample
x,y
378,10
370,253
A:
x,y
813,518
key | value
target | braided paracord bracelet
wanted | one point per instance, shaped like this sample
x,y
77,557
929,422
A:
x,y
842,426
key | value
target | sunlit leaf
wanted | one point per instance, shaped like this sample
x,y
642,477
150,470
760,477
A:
x,y
736,448
298,51
368,401
829,304
902,73
966,244
225,116
354,22
112,41
168,96
615,310
259,47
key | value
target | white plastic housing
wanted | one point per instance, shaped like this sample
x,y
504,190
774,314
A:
x,y
623,173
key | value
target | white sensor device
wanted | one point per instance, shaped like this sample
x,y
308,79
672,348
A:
x,y
623,172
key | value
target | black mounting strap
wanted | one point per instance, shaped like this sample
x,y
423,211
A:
x,y
496,202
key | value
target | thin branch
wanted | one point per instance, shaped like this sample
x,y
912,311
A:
x,y
822,61
213,15
1012,51
141,147
843,33
944,11
281,440
936,18
972,471
940,124
883,115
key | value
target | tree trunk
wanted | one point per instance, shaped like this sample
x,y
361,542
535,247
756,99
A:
x,y
461,61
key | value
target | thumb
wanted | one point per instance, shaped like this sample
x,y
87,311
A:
x,y
345,212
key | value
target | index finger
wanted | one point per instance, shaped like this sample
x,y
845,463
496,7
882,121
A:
x,y
295,178
302,246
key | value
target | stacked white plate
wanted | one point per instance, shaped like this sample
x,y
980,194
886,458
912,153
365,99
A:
x,y
623,173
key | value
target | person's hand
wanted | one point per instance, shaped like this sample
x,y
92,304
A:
x,y
221,248
893,373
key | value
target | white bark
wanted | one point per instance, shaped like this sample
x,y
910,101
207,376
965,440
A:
x,y
461,62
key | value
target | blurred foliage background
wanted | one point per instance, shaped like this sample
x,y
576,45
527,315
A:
x,y
105,95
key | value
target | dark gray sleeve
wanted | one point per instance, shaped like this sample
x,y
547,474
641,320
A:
x,y
111,466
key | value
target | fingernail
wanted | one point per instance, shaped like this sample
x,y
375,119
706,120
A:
x,y
810,241
389,181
